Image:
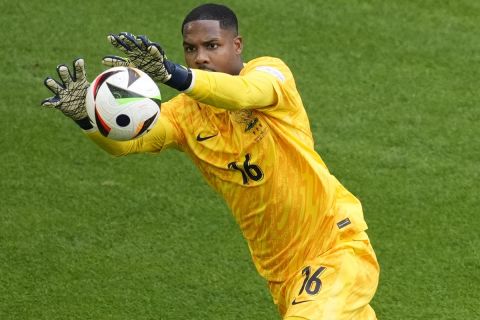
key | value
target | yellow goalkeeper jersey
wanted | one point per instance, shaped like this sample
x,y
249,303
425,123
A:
x,y
250,137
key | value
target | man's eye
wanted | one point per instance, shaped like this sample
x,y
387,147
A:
x,y
212,46
189,49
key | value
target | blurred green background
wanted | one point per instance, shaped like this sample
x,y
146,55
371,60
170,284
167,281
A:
x,y
391,91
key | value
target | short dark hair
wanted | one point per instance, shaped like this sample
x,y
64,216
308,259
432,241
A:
x,y
212,11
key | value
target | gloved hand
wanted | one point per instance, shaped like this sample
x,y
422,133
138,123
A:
x,y
70,94
149,57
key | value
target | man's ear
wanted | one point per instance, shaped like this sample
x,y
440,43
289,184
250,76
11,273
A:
x,y
238,44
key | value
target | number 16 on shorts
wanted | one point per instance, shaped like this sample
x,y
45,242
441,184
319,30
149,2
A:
x,y
311,283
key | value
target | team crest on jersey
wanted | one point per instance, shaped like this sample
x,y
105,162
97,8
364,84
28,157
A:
x,y
251,123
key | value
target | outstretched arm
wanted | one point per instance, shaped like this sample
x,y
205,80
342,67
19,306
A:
x,y
160,137
69,97
255,89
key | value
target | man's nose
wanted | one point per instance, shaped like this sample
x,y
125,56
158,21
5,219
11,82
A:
x,y
202,57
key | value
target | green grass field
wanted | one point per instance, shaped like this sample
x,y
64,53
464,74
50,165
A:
x,y
391,88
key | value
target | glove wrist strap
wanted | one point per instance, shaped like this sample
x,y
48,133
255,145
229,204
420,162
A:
x,y
181,77
84,123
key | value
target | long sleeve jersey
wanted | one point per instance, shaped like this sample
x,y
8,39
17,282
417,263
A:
x,y
250,137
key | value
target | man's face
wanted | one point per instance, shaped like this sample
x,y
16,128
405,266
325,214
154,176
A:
x,y
209,47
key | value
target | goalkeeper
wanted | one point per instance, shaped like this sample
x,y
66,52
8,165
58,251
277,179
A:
x,y
246,129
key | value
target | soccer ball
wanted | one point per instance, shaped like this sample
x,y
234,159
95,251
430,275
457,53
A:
x,y
123,102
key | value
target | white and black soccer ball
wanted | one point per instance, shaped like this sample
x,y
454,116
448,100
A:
x,y
123,102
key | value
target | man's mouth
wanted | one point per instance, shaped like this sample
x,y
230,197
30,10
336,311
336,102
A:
x,y
206,69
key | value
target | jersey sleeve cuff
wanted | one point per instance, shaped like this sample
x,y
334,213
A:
x,y
181,76
192,83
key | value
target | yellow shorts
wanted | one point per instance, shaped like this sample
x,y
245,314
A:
x,y
337,285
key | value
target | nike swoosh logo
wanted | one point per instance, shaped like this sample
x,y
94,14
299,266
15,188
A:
x,y
200,138
294,302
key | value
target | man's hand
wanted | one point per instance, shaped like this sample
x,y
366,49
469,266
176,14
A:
x,y
149,57
70,94
141,53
